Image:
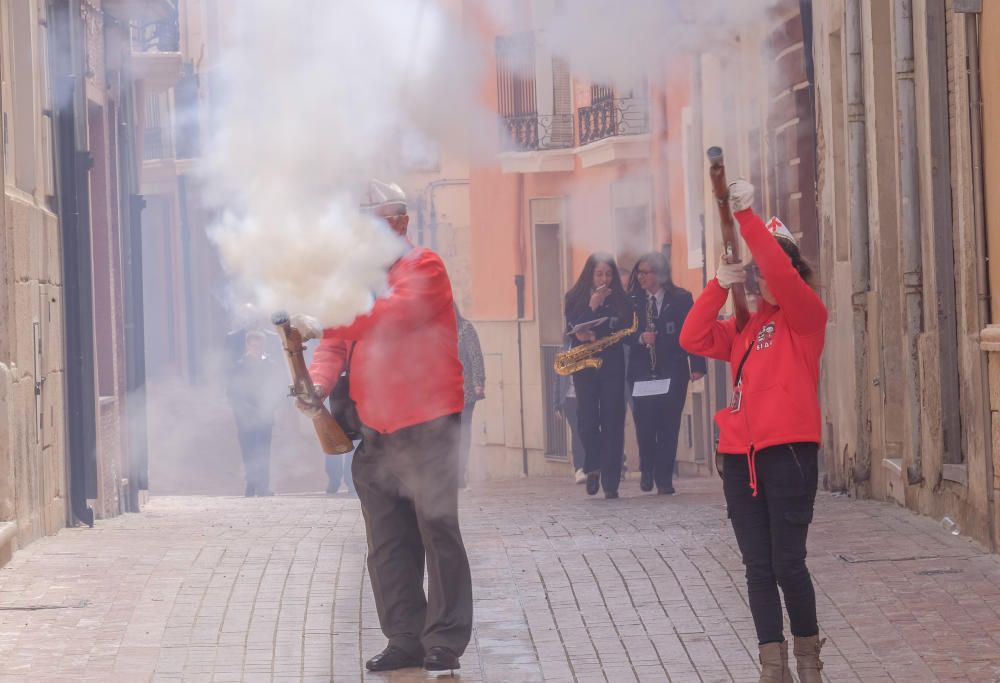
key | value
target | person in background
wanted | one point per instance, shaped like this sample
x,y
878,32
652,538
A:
x,y
597,294
769,435
474,376
254,394
565,405
655,353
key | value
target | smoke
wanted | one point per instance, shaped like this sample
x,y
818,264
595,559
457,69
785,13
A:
x,y
344,92
625,43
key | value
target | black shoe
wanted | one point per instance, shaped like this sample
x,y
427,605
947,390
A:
x,y
665,490
392,658
610,494
646,482
248,491
441,659
265,494
593,483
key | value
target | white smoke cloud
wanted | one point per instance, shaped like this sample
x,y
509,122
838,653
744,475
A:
x,y
624,43
313,98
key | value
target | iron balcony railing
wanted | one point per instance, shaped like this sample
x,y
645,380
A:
x,y
531,132
613,116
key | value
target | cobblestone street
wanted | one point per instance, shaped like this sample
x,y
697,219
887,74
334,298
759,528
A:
x,y
567,588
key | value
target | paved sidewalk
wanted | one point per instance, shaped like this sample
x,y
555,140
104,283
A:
x,y
568,588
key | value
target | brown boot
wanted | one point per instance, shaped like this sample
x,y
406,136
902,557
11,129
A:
x,y
807,659
774,663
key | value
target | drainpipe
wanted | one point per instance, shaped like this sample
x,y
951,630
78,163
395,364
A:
x,y
909,187
979,217
131,205
519,242
857,166
72,167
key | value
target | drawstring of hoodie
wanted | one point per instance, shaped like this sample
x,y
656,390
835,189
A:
x,y
752,465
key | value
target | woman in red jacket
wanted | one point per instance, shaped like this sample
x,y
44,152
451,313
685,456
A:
x,y
770,433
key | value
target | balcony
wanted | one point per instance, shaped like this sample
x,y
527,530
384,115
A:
x,y
534,132
613,130
156,56
534,143
610,117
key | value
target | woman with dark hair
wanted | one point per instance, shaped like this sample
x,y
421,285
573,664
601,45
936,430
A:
x,y
657,361
598,295
770,433
474,377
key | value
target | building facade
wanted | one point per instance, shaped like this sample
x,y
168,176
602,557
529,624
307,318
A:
x,y
904,245
72,436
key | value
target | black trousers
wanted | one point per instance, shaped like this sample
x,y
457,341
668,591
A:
x,y
600,417
255,447
407,482
771,530
657,429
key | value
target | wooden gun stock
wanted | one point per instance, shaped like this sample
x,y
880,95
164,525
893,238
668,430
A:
x,y
731,245
332,438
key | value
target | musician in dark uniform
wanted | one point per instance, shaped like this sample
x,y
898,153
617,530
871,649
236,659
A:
x,y
655,354
598,295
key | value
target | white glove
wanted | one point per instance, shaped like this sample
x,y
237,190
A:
x,y
310,410
740,195
729,274
308,327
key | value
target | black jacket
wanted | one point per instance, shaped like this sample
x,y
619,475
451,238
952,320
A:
x,y
671,360
617,309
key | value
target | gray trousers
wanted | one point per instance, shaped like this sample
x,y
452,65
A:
x,y
407,482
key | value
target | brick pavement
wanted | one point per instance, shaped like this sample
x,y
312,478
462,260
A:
x,y
568,588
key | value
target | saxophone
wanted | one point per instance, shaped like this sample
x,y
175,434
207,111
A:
x,y
585,355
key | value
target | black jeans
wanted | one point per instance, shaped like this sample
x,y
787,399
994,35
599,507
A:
x,y
771,530
657,428
407,482
601,417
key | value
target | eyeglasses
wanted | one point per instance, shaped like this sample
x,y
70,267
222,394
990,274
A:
x,y
645,272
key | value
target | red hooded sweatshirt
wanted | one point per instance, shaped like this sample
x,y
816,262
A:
x,y
780,381
405,368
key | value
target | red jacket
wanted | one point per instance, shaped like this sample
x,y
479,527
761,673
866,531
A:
x,y
405,368
780,382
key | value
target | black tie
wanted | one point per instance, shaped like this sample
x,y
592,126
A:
x,y
654,307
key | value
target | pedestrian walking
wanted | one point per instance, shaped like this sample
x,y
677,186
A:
x,y
597,308
770,433
406,381
254,383
657,362
470,353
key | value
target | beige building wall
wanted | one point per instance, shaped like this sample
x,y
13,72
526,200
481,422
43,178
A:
x,y
32,454
865,392
990,80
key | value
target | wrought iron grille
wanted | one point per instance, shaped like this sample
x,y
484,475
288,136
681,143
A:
x,y
608,117
534,132
556,447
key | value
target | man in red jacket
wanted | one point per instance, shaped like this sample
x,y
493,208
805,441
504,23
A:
x,y
406,379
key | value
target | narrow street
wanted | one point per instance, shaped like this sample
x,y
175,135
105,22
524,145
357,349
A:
x,y
567,588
